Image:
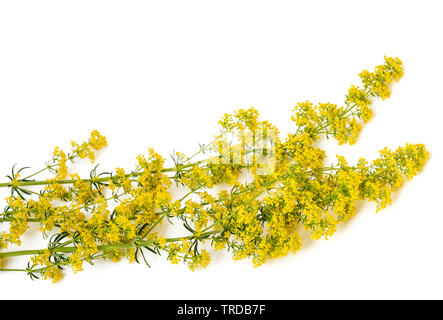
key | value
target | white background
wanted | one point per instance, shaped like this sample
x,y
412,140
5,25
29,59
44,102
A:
x,y
161,74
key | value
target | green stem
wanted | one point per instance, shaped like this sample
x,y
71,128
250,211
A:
x,y
128,245
40,171
104,179
20,270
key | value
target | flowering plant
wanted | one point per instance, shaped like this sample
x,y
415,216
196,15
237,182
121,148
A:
x,y
251,192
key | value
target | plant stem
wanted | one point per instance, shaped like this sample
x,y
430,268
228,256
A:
x,y
104,179
127,245
22,270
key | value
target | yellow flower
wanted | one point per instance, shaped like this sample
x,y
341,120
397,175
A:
x,y
60,159
53,273
205,258
76,259
87,149
41,259
161,241
97,141
123,179
378,82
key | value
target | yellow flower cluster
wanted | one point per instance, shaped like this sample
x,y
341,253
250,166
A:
x,y
87,149
259,215
62,170
378,82
18,222
344,123
54,273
